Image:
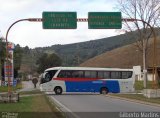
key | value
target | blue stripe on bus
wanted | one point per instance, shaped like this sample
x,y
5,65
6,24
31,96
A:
x,y
92,86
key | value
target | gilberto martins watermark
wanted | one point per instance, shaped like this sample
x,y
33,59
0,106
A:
x,y
9,115
139,114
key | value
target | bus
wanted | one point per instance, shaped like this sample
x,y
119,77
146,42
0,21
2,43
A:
x,y
87,79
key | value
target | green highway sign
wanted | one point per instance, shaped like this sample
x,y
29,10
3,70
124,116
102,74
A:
x,y
59,20
104,20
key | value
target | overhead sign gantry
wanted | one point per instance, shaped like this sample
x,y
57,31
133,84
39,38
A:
x,y
68,20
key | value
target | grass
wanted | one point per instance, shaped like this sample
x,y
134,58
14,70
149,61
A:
x,y
32,107
23,106
5,88
139,85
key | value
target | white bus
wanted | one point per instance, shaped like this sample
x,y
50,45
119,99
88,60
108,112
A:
x,y
87,79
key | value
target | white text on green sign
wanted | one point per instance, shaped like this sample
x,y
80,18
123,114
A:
x,y
59,20
104,20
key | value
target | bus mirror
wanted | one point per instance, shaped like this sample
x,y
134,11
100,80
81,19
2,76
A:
x,y
43,75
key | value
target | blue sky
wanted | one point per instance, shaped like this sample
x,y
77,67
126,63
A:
x,y
33,35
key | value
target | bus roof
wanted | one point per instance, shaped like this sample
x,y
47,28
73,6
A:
x,y
87,68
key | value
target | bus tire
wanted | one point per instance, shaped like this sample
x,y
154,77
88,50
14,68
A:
x,y
104,90
58,90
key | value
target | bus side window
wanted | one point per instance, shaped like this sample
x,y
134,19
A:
x,y
125,75
104,74
129,74
90,74
68,74
100,75
77,74
107,75
116,75
52,73
61,74
65,74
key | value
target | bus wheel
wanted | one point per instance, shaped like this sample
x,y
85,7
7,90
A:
x,y
104,91
58,90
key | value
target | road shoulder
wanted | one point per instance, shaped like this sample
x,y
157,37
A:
x,y
133,100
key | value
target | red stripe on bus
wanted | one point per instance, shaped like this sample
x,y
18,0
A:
x,y
75,79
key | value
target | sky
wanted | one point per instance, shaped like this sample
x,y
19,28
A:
x,y
32,34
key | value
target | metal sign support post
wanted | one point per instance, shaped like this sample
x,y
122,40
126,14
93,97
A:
x,y
7,55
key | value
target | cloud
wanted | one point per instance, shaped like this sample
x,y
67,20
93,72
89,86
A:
x,y
32,34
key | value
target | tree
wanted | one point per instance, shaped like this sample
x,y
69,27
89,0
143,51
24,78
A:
x,y
2,54
147,11
26,50
17,56
47,61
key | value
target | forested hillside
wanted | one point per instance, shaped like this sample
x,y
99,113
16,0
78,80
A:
x,y
74,54
77,53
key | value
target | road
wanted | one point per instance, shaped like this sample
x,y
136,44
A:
x,y
91,105
28,86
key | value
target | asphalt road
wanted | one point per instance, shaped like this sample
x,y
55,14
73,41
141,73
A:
x,y
94,105
28,86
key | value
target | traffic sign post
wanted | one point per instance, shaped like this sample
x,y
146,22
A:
x,y
59,20
104,20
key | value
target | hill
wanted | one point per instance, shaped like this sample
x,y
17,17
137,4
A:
x,y
77,53
74,54
123,57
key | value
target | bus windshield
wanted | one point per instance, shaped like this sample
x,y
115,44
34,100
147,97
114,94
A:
x,y
47,76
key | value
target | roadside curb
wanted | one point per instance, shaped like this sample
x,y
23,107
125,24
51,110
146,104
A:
x,y
134,100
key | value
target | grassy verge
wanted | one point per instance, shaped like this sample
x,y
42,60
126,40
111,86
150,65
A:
x,y
138,97
5,88
139,85
32,107
138,88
